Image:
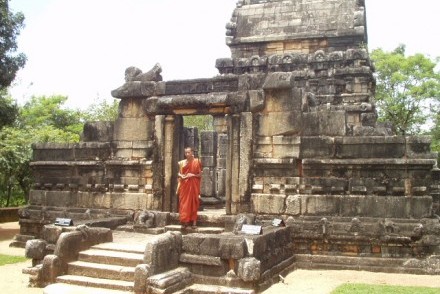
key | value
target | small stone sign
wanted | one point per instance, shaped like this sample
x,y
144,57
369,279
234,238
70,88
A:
x,y
278,222
65,222
251,229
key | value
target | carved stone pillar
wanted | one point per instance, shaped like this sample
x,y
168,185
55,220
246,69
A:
x,y
209,162
173,128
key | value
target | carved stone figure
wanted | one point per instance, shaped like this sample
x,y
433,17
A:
x,y
135,74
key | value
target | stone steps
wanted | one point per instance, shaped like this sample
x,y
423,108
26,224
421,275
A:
x,y
170,281
201,230
96,270
121,258
63,288
102,268
121,247
373,264
96,283
213,289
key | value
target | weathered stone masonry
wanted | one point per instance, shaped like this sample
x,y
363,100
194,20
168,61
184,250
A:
x,y
295,137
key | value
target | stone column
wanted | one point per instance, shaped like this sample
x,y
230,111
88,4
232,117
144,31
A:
x,y
209,160
245,157
173,127
222,151
132,128
191,139
220,124
233,165
158,162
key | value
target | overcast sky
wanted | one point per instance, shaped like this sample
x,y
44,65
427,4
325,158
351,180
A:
x,y
81,48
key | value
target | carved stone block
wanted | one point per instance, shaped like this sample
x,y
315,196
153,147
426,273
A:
x,y
268,203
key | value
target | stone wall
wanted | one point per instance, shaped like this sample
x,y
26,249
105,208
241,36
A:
x,y
259,28
9,214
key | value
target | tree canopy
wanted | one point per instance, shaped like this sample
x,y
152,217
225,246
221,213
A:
x,y
406,87
8,109
41,119
10,61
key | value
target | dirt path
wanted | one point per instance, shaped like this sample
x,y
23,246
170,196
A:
x,y
320,281
300,281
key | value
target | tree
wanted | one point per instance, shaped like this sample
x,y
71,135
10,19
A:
x,y
15,155
42,119
102,110
201,122
405,88
8,110
435,133
51,120
10,62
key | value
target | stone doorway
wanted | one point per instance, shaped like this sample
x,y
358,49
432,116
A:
x,y
210,146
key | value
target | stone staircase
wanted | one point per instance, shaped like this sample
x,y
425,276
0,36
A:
x,y
103,266
110,267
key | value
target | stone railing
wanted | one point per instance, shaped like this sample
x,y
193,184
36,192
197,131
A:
x,y
65,243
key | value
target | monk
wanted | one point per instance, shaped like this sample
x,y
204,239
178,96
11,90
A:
x,y
190,173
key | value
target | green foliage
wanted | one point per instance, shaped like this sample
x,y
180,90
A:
x,y
382,289
102,111
405,87
15,154
9,259
42,119
10,63
8,110
435,133
49,113
201,122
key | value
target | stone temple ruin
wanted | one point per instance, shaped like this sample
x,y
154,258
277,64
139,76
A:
x,y
296,149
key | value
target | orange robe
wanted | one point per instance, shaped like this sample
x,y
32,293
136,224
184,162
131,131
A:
x,y
189,191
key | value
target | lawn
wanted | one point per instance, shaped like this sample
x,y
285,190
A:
x,y
382,289
8,259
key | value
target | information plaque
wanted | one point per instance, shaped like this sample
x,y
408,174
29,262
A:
x,y
65,222
251,229
278,222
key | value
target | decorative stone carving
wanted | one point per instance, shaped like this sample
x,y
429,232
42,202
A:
x,y
135,74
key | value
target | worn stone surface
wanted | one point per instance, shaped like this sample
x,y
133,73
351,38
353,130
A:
x,y
249,269
51,269
232,248
268,203
295,138
68,246
97,132
141,274
35,249
163,253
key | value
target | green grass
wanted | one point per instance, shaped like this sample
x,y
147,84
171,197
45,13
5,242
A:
x,y
382,289
8,259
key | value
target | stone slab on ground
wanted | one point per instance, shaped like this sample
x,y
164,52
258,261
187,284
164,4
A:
x,y
96,283
111,257
208,289
96,270
202,230
73,289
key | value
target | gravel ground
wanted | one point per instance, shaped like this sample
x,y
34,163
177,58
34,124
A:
x,y
12,280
